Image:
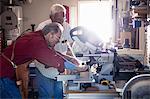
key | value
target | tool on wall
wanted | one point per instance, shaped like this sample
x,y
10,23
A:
x,y
9,19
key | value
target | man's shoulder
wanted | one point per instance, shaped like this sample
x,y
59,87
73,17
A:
x,y
37,35
66,26
44,23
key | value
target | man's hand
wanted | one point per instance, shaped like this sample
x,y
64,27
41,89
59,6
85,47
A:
x,y
82,69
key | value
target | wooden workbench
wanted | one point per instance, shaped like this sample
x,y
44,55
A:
x,y
101,94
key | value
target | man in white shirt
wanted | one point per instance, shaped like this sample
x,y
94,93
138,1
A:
x,y
57,14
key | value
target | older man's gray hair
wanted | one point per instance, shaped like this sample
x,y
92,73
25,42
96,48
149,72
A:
x,y
56,8
52,28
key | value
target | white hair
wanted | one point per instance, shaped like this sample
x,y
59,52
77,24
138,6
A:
x,y
56,8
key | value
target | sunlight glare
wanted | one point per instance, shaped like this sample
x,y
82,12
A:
x,y
96,16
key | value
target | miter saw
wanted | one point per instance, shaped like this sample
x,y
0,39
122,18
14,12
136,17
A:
x,y
89,49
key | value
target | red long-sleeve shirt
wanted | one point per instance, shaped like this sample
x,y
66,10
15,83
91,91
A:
x,y
29,47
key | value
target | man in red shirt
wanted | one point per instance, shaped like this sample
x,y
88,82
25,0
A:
x,y
29,46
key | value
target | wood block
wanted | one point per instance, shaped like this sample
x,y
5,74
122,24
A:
x,y
125,35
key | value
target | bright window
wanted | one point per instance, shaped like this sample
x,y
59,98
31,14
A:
x,y
96,16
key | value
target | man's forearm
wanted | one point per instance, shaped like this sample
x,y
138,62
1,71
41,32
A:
x,y
68,57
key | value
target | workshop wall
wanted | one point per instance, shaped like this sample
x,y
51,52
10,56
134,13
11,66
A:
x,y
38,11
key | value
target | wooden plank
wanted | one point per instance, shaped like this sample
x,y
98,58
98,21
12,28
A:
x,y
141,38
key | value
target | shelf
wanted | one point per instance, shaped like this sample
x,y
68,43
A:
x,y
130,51
140,7
139,16
140,10
140,0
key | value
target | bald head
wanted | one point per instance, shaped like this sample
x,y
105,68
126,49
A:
x,y
52,28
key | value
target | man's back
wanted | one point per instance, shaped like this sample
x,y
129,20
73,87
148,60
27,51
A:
x,y
29,47
23,50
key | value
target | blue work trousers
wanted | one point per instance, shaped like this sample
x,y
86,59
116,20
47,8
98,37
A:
x,y
8,89
48,88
